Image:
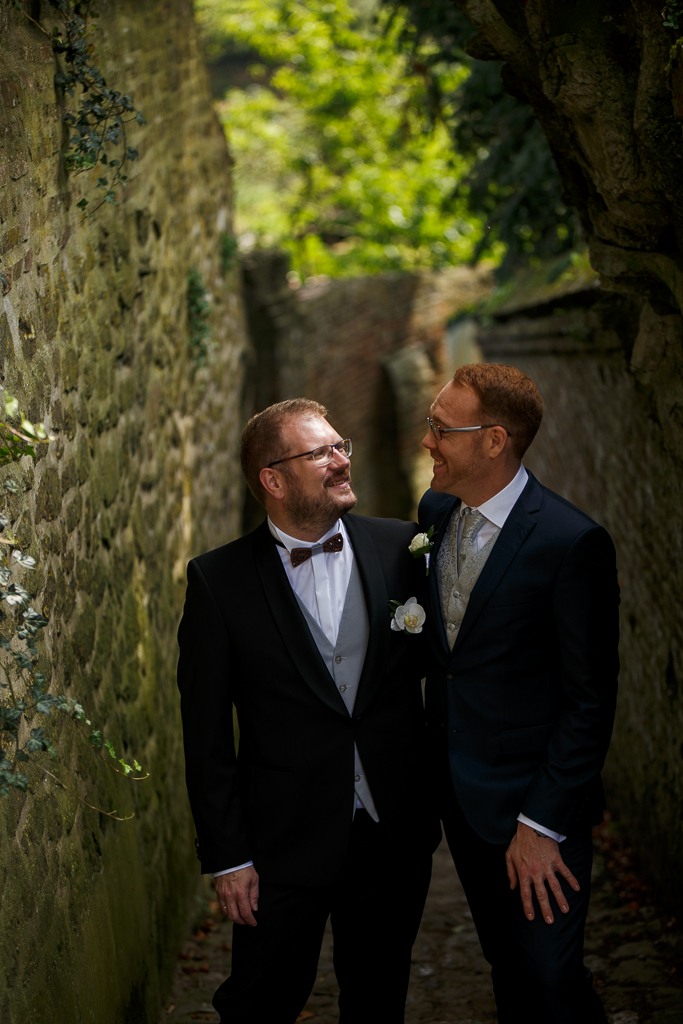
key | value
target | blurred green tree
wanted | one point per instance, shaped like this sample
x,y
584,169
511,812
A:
x,y
342,152
512,185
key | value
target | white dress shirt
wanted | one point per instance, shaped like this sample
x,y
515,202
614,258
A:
x,y
320,583
496,510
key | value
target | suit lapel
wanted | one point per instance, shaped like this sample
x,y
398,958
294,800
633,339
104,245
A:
x,y
291,623
377,603
515,531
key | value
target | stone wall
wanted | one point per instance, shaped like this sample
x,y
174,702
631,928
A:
x,y
141,476
611,374
373,350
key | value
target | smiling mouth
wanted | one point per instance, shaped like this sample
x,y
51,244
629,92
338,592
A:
x,y
343,482
438,462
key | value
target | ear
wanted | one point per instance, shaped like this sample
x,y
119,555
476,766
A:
x,y
271,481
498,442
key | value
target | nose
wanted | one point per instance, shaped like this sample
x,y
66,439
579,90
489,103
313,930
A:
x,y
429,441
340,458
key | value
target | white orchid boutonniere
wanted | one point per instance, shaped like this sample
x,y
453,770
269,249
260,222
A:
x,y
422,544
408,617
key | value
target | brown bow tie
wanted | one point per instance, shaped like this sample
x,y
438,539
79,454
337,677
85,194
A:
x,y
299,555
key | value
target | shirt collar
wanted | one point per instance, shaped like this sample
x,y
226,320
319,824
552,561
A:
x,y
293,542
499,507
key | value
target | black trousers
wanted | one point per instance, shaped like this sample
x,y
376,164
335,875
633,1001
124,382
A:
x,y
537,969
375,904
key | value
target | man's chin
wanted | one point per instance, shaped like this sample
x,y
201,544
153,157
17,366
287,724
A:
x,y
441,484
344,498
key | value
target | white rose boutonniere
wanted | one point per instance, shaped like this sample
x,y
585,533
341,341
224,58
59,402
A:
x,y
422,544
408,617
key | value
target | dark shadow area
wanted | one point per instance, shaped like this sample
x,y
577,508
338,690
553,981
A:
x,y
393,493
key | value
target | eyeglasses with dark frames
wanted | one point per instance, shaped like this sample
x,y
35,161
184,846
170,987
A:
x,y
438,431
323,455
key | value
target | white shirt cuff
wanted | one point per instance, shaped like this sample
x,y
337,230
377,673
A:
x,y
557,836
247,864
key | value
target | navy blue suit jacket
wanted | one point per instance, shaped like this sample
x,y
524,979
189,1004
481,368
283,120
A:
x,y
527,696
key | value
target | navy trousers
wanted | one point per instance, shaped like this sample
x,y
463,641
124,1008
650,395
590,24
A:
x,y
375,905
537,969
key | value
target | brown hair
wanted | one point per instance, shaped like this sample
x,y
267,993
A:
x,y
262,441
507,396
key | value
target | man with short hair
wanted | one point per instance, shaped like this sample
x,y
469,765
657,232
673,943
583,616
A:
x,y
522,618
324,811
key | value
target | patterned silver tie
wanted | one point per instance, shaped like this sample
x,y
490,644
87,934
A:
x,y
472,523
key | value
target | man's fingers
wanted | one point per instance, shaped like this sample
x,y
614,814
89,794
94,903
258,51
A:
x,y
253,896
566,873
244,907
542,897
556,890
527,901
231,910
512,871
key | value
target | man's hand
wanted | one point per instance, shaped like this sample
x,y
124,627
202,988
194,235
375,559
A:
x,y
534,860
238,895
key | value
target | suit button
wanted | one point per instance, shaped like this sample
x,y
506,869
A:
x,y
449,675
342,688
338,659
455,732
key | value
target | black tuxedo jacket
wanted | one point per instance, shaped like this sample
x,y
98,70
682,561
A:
x,y
527,695
286,801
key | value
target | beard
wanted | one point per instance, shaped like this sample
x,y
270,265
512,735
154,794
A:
x,y
322,510
464,469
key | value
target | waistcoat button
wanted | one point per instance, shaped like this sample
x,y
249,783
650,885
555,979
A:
x,y
449,675
357,778
338,659
342,688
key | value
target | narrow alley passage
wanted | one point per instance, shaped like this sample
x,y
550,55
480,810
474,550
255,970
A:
x,y
634,951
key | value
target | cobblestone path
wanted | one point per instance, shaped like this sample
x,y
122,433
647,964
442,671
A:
x,y
634,950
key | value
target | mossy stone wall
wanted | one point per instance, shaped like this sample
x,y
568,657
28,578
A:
x,y
142,476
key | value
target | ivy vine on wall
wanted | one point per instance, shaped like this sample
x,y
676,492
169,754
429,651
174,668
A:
x,y
99,122
24,697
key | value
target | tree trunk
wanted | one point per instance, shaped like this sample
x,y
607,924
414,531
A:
x,y
605,79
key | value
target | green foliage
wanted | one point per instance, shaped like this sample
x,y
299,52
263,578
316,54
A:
x,y
15,442
512,183
672,14
198,319
342,153
103,113
24,691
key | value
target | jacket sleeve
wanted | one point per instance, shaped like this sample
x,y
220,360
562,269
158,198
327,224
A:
x,y
204,681
586,617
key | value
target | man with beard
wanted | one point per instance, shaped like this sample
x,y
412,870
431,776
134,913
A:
x,y
522,618
322,813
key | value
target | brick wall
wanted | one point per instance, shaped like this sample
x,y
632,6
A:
x,y
142,475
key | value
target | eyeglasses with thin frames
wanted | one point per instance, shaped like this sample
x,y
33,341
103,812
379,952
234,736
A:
x,y
439,431
323,455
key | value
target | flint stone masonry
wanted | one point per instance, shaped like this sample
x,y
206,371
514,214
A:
x,y
610,369
141,476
